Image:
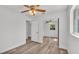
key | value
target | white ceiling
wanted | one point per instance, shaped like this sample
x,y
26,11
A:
x,y
49,8
54,8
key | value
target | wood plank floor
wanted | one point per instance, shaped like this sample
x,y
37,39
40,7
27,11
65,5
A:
x,y
49,46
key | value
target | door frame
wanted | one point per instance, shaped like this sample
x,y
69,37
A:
x,y
58,34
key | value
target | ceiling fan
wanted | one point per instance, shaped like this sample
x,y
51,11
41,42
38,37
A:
x,y
33,9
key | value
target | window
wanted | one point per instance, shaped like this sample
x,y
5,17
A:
x,y
74,21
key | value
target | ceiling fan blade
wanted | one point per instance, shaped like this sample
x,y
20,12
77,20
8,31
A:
x,y
40,10
27,6
24,11
33,6
37,5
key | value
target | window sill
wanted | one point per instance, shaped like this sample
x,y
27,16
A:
x,y
76,35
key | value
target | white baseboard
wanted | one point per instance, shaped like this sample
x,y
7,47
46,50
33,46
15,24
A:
x,y
14,46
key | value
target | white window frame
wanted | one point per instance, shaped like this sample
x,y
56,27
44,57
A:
x,y
71,22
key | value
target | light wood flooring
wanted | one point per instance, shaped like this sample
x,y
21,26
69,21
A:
x,y
49,46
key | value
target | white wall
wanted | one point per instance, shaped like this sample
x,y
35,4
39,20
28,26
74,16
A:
x,y
73,41
12,28
63,30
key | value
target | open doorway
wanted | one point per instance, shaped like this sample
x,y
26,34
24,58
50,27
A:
x,y
34,31
28,31
51,34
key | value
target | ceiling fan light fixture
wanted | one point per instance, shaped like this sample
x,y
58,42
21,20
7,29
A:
x,y
34,9
32,12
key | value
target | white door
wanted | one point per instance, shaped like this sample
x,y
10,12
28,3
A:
x,y
35,31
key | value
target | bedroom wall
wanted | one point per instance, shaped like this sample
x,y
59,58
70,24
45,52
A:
x,y
73,41
12,28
